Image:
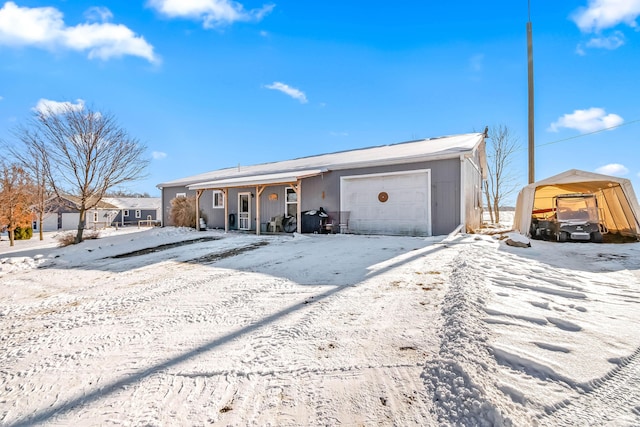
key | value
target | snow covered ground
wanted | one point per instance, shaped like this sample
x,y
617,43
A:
x,y
236,329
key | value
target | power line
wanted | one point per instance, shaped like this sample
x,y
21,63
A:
x,y
589,133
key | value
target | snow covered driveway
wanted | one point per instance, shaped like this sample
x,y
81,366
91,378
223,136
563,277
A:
x,y
229,329
305,331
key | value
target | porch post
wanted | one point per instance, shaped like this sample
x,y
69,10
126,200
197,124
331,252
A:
x,y
259,190
198,194
257,210
225,193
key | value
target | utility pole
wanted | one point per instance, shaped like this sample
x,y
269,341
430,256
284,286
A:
x,y
530,72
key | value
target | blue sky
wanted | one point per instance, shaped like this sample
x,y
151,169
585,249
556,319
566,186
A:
x,y
208,84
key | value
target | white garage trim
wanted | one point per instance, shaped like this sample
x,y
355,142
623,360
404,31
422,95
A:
x,y
410,214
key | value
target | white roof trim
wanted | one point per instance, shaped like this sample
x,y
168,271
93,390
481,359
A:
x,y
251,180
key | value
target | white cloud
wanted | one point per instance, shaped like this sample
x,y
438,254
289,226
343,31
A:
x,y
158,155
611,42
98,14
47,106
291,91
590,120
106,41
602,14
339,133
614,169
44,27
211,12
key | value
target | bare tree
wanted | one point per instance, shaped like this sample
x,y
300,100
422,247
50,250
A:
x,y
501,179
16,198
85,154
32,156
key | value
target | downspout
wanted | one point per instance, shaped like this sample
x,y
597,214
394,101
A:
x,y
299,206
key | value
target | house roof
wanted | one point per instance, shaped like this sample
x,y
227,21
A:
x,y
272,178
148,203
406,152
75,201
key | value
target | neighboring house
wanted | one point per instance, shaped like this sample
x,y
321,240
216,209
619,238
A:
x,y
135,209
418,188
64,214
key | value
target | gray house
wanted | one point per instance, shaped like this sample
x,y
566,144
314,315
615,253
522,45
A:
x,y
63,212
133,210
417,188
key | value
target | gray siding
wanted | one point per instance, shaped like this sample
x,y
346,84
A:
x,y
324,191
131,218
168,194
268,207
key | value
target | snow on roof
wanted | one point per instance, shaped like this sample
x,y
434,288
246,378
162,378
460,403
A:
x,y
134,202
412,151
272,178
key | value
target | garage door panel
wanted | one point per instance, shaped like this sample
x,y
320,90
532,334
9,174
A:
x,y
70,221
405,212
50,222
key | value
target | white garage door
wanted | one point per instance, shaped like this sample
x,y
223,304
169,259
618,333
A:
x,y
50,222
70,221
395,203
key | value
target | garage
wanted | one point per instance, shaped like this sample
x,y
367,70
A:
x,y
70,221
50,222
390,203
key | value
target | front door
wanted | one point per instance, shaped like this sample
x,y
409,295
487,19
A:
x,y
244,211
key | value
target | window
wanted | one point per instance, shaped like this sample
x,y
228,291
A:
x,y
181,194
218,199
126,212
138,213
95,217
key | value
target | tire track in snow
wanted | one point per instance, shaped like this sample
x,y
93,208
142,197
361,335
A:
x,y
611,400
75,340
214,325
55,315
